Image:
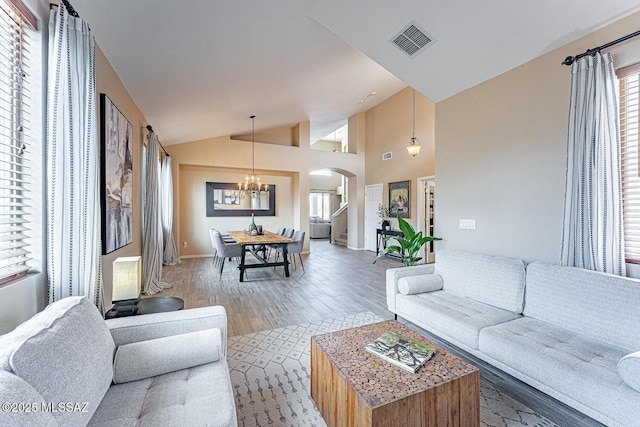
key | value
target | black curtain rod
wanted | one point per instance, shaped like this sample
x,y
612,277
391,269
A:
x,y
150,129
67,6
571,59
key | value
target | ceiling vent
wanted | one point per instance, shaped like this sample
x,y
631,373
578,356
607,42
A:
x,y
387,156
412,39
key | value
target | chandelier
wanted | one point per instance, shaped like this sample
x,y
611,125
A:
x,y
414,143
252,185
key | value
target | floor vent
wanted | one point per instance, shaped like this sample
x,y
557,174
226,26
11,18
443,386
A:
x,y
412,39
387,156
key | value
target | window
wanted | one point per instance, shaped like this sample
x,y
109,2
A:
x,y
16,23
629,115
320,205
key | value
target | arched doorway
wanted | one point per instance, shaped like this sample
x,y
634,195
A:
x,y
329,216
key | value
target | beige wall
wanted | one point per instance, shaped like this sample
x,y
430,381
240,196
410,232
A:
x,y
383,128
278,136
325,182
227,160
194,223
327,145
388,128
108,82
501,154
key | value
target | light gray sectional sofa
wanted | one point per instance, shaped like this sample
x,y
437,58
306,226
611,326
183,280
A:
x,y
571,333
67,366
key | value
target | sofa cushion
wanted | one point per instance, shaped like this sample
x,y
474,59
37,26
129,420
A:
x,y
191,397
65,353
418,284
629,370
493,280
451,316
146,359
598,305
16,391
576,366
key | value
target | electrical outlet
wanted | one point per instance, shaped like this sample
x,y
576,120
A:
x,y
468,224
185,244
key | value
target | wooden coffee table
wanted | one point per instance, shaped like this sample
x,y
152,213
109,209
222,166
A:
x,y
352,387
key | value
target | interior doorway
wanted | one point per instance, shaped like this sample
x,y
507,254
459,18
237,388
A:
x,y
372,199
426,214
325,198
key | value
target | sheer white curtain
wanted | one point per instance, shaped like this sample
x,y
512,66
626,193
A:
x,y
592,234
152,228
74,261
170,254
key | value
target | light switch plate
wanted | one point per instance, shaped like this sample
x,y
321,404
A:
x,y
468,224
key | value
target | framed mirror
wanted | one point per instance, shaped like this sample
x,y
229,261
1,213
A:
x,y
223,199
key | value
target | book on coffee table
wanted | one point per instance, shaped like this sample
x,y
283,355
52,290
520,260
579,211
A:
x,y
402,351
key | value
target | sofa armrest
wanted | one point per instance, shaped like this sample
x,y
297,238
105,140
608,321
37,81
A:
x,y
395,274
629,369
125,330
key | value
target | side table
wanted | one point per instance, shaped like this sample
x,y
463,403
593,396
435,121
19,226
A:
x,y
150,305
159,305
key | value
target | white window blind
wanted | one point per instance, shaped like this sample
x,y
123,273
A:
x,y
629,115
14,127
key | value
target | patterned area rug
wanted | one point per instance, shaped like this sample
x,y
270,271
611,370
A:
x,y
270,376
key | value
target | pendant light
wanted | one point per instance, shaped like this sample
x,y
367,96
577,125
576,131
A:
x,y
252,184
414,143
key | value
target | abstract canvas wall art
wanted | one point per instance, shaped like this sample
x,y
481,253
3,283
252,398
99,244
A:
x,y
116,138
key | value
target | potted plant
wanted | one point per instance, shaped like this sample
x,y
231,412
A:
x,y
408,246
384,213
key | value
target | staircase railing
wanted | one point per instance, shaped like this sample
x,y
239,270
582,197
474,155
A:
x,y
339,222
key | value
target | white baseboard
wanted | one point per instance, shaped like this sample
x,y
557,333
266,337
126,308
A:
x,y
196,256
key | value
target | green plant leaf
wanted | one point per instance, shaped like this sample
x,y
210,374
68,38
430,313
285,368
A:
x,y
406,228
408,246
392,249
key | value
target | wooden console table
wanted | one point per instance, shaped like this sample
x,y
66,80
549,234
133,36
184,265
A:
x,y
352,387
381,233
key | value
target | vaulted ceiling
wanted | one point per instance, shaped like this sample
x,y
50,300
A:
x,y
199,68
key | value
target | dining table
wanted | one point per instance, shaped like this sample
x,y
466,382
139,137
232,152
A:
x,y
258,243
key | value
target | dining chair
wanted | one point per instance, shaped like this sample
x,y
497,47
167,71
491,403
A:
x,y
226,250
212,232
294,248
281,231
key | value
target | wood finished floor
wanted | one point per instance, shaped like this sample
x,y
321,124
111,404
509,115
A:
x,y
337,282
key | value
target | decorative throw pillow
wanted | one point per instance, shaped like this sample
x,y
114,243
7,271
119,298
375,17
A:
x,y
146,359
418,284
629,370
